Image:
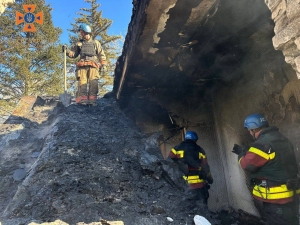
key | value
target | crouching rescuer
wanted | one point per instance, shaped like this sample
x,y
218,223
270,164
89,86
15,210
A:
x,y
92,58
273,168
195,167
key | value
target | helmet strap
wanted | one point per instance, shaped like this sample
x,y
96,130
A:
x,y
253,134
254,131
87,36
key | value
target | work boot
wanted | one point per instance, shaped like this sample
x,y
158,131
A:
x,y
93,102
93,99
84,102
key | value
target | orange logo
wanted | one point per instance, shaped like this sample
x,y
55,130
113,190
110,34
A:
x,y
29,18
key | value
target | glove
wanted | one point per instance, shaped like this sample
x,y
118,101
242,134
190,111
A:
x,y
210,180
103,68
65,48
237,149
202,175
292,184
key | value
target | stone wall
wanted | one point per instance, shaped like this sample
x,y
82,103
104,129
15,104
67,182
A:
x,y
286,15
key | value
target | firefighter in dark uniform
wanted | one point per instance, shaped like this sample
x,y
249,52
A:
x,y
273,168
198,173
92,58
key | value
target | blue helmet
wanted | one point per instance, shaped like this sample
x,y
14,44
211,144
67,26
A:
x,y
255,121
85,28
191,135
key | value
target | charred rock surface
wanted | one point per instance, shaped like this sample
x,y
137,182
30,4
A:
x,y
96,163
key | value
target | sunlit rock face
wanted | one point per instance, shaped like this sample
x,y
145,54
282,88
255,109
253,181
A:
x,y
286,15
3,4
205,66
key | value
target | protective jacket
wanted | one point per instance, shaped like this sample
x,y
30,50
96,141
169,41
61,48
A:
x,y
194,156
90,51
271,158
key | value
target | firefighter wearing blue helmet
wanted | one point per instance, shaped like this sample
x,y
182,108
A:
x,y
191,135
85,28
273,170
92,58
198,173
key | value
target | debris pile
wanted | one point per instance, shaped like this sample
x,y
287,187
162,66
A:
x,y
93,163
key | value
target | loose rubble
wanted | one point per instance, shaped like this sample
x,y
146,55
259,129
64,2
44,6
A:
x,y
95,163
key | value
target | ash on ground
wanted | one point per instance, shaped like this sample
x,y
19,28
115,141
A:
x,y
83,164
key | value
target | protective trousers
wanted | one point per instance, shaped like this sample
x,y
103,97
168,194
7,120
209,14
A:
x,y
281,214
87,77
200,195
196,199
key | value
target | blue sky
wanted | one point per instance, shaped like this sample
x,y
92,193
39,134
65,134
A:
x,y
64,12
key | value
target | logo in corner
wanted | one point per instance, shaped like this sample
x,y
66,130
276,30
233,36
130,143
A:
x,y
29,18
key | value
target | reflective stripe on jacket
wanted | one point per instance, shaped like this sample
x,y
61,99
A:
x,y
194,182
87,63
277,195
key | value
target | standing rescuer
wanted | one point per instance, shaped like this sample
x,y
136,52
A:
x,y
273,168
92,58
197,173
